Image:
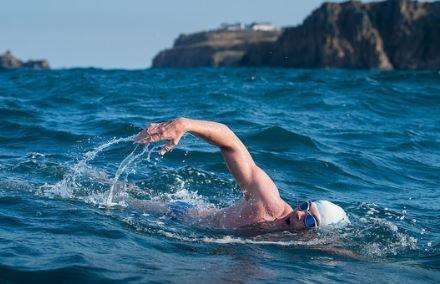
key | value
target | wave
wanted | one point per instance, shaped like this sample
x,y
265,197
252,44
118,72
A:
x,y
364,139
17,113
81,273
375,235
406,76
286,140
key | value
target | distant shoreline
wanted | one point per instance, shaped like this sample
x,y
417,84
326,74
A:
x,y
9,61
225,69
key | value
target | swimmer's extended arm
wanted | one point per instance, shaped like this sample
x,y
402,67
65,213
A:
x,y
253,180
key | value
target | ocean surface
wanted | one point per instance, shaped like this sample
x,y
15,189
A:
x,y
367,140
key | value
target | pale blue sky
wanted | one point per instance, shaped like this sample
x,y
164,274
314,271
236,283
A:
x,y
125,33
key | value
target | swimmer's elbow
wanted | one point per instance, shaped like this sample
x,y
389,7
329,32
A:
x,y
231,141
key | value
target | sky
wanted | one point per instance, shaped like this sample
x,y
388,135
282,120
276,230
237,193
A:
x,y
126,33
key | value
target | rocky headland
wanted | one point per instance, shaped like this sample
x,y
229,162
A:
x,y
393,34
9,61
226,46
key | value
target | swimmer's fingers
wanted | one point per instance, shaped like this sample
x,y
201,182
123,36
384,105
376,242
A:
x,y
158,136
149,128
160,128
144,137
152,128
168,147
152,138
141,137
168,130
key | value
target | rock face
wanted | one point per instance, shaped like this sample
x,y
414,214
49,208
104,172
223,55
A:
x,y
212,48
399,34
9,61
393,34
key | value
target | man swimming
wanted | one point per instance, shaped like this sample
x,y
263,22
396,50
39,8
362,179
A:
x,y
261,202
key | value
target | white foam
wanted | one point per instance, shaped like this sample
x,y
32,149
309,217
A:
x,y
237,240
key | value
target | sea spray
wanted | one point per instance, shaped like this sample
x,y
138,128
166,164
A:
x,y
72,182
135,162
130,160
65,188
122,166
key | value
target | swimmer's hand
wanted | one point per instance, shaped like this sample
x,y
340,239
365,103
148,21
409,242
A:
x,y
170,131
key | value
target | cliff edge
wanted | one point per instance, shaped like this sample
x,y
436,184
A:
x,y
222,47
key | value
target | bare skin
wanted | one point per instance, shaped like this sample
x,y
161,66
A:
x,y
261,204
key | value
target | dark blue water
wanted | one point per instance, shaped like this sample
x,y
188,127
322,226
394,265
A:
x,y
368,140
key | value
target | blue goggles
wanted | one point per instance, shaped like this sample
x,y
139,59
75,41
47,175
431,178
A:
x,y
310,220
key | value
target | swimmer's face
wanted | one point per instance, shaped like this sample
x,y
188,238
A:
x,y
295,221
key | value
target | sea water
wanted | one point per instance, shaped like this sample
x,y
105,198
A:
x,y
367,140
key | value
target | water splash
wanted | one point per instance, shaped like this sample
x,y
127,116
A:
x,y
130,160
124,164
70,185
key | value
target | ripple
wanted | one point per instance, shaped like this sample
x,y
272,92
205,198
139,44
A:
x,y
367,140
286,140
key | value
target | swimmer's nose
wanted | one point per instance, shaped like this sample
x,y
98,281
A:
x,y
298,215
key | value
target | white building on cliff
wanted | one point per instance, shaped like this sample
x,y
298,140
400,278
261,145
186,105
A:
x,y
263,26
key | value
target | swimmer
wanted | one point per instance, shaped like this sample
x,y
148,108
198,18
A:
x,y
261,204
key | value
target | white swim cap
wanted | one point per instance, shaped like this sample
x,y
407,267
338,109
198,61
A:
x,y
331,214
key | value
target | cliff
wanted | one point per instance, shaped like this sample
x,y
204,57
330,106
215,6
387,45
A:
x,y
9,61
393,34
212,48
